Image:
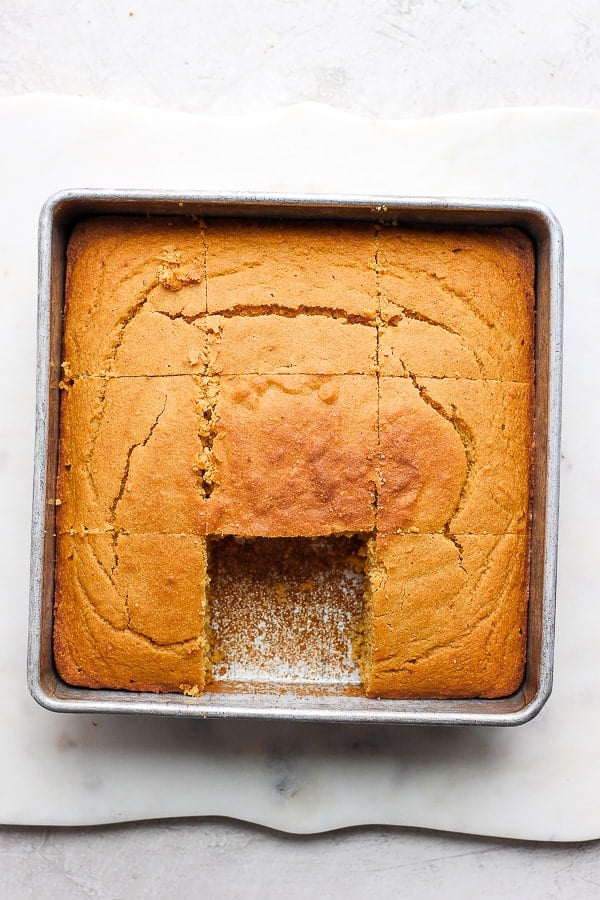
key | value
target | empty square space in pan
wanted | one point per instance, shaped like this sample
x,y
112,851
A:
x,y
286,610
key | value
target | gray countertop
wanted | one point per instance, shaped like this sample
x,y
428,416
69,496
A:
x,y
222,859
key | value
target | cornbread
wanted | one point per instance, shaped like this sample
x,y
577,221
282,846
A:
x,y
282,384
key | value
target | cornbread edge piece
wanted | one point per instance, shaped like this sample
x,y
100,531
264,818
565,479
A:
x,y
138,626
121,268
446,616
463,302
266,264
495,422
117,469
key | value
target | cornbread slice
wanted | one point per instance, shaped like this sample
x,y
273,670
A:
x,y
139,625
294,455
463,300
454,452
119,267
117,469
166,602
494,420
446,616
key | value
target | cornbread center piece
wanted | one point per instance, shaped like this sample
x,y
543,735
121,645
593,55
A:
x,y
138,625
446,618
457,303
285,610
292,265
294,455
165,600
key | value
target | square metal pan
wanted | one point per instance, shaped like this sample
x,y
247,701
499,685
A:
x,y
57,219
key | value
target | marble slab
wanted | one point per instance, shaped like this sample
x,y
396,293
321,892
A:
x,y
539,781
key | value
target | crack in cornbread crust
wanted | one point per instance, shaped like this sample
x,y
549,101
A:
x,y
183,326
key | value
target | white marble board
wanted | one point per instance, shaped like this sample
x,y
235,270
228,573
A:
x,y
538,781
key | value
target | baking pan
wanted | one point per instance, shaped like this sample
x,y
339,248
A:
x,y
288,701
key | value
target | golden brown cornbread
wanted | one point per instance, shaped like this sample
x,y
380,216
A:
x,y
436,432
448,615
123,616
294,455
287,380
118,277
423,461
299,344
120,471
462,303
